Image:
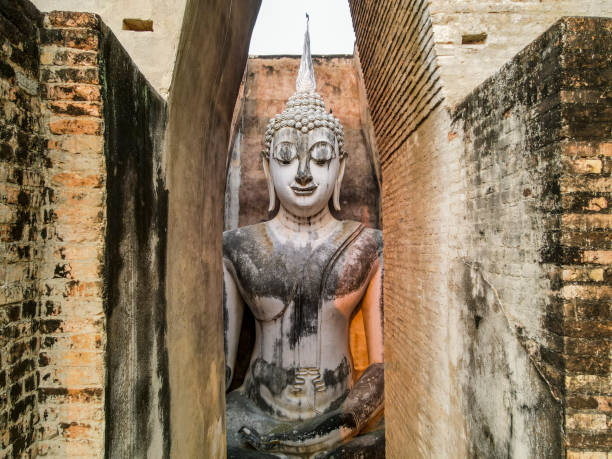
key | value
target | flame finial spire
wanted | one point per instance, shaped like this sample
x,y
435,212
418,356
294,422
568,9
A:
x,y
305,110
306,80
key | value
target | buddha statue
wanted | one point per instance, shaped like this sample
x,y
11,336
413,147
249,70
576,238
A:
x,y
304,274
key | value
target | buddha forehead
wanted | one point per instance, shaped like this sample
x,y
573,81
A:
x,y
296,136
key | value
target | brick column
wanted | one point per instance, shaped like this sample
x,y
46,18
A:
x,y
585,294
22,226
585,246
71,363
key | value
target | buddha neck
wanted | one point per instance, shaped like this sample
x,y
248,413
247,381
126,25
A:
x,y
316,226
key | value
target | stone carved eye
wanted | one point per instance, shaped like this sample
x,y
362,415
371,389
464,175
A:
x,y
321,152
285,152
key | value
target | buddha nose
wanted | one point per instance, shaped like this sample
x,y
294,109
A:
x,y
303,176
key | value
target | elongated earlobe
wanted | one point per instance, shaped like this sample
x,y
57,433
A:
x,y
271,192
339,183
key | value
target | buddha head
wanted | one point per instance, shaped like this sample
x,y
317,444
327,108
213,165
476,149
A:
x,y
303,156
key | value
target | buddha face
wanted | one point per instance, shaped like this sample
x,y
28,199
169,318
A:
x,y
305,169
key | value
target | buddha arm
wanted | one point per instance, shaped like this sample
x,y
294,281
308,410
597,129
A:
x,y
363,403
233,307
365,400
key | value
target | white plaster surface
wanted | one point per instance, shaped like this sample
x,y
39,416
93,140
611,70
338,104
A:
x,y
510,25
153,52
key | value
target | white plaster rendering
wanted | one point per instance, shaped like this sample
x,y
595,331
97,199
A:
x,y
505,26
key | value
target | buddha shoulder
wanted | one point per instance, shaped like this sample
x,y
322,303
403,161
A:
x,y
363,252
245,240
372,238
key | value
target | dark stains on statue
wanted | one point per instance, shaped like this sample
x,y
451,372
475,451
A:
x,y
266,267
302,278
353,273
337,376
276,379
269,375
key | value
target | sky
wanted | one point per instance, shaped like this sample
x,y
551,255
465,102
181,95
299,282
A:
x,y
281,24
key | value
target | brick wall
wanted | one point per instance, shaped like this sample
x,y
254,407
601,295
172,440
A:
x,y
510,127
102,364
74,106
475,235
396,51
536,159
71,361
154,52
23,227
91,248
583,248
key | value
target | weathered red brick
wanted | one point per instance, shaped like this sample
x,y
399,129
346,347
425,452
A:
x,y
73,19
77,180
605,149
86,39
71,92
584,166
77,144
76,126
76,109
50,55
601,257
601,441
86,75
587,222
588,329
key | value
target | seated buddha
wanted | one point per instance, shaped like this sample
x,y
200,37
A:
x,y
304,274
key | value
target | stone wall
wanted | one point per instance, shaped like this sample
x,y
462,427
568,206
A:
x,y
496,236
581,246
105,366
83,238
72,370
137,391
396,52
75,106
210,65
23,226
509,127
472,203
471,39
535,139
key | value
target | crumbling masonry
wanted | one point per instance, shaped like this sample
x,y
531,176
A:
x,y
492,128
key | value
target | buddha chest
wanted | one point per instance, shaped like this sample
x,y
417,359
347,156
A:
x,y
277,277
